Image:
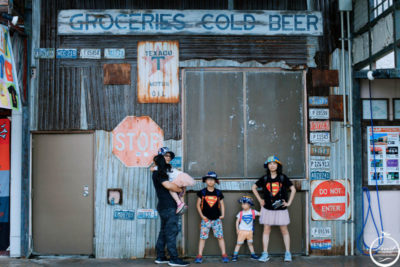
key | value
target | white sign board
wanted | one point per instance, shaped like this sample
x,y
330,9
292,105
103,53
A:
x,y
114,53
90,53
318,114
321,232
320,137
158,72
195,22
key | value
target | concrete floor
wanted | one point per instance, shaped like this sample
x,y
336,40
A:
x,y
356,261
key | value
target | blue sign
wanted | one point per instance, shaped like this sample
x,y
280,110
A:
x,y
321,244
124,215
176,162
318,100
67,53
44,53
147,214
320,175
194,22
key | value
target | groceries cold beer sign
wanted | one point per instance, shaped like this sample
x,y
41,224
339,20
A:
x,y
196,22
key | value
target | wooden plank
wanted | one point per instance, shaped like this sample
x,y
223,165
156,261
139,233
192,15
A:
x,y
117,73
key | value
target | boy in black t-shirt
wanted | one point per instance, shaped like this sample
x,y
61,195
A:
x,y
210,206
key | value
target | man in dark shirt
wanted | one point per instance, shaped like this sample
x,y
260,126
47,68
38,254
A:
x,y
166,208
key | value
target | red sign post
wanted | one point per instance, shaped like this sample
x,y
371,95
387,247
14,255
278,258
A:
x,y
328,200
136,141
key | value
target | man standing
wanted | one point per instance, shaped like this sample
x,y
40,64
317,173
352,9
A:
x,y
166,208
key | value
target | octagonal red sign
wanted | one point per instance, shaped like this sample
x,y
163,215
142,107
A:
x,y
136,141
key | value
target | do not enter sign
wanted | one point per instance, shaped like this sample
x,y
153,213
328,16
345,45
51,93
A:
x,y
136,141
329,200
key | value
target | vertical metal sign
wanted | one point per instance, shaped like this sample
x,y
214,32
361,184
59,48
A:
x,y
158,72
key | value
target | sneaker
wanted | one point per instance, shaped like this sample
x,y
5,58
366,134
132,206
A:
x,y
183,210
225,258
178,262
288,256
161,260
264,257
235,257
254,257
180,207
198,259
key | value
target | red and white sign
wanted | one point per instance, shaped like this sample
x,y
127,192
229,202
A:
x,y
136,141
318,126
328,200
158,72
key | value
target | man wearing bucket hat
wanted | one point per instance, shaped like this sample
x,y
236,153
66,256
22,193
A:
x,y
274,203
245,226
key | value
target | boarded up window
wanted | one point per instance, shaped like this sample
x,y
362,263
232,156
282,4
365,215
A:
x,y
235,119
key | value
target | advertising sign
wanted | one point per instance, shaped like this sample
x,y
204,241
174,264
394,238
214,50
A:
x,y
136,141
193,22
9,88
158,72
328,200
387,144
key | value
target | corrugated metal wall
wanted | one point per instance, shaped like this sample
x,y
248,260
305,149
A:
x,y
72,97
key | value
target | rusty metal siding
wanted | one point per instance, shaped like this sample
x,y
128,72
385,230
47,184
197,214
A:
x,y
124,238
270,5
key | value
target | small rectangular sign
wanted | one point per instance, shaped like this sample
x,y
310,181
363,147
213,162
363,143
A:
x,y
67,53
45,53
321,232
320,164
324,151
320,137
318,114
321,244
318,126
124,215
114,53
320,175
147,214
90,53
318,101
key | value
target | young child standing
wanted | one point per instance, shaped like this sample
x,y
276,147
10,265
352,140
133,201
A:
x,y
245,226
177,177
210,206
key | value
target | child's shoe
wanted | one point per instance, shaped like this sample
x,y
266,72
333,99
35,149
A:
x,y
254,256
264,257
288,256
180,207
198,259
235,257
225,258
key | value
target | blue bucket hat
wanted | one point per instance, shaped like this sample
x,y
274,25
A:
x,y
164,150
212,175
272,159
246,199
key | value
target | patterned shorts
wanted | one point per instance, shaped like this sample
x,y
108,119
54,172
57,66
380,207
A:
x,y
216,225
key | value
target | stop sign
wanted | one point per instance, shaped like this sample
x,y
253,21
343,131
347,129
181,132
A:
x,y
136,141
329,200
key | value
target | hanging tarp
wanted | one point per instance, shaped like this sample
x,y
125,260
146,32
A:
x,y
9,89
5,129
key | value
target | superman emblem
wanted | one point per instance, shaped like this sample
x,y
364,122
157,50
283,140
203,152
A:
x,y
247,218
275,188
211,200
